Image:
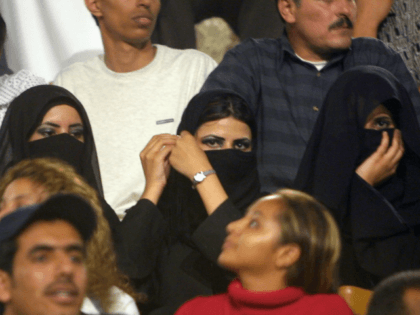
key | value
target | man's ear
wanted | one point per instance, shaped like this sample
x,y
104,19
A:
x,y
287,9
5,287
94,6
287,255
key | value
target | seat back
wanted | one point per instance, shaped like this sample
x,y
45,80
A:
x,y
357,298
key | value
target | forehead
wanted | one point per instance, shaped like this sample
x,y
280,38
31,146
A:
x,y
57,233
268,207
20,186
381,109
412,300
225,126
62,112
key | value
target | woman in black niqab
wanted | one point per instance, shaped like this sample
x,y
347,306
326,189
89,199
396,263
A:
x,y
26,113
236,169
192,235
379,223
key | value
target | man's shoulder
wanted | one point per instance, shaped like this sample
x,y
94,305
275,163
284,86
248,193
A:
x,y
88,67
369,45
173,54
261,45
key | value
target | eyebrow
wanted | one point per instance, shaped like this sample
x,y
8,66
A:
x,y
48,248
58,126
256,212
242,139
50,124
214,136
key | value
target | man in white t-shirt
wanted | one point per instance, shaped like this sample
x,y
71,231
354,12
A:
x,y
132,92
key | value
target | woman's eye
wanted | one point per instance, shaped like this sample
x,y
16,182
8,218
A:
x,y
78,133
46,132
253,224
242,145
383,123
212,143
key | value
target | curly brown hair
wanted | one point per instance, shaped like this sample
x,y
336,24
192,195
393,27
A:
x,y
55,177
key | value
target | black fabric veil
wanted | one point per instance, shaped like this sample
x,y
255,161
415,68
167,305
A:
x,y
23,116
378,222
237,171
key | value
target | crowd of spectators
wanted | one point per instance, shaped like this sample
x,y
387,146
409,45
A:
x,y
150,180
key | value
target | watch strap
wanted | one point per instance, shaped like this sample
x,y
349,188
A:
x,y
203,175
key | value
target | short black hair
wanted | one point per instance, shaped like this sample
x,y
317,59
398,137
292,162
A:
x,y
2,33
7,254
388,297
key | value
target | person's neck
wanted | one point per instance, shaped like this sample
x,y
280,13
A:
x,y
263,282
303,51
124,57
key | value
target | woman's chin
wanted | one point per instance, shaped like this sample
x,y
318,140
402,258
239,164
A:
x,y
225,261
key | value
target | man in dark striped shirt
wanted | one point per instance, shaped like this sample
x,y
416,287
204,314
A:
x,y
285,80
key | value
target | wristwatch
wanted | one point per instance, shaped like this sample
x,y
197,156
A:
x,y
200,176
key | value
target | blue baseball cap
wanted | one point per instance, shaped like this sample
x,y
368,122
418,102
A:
x,y
67,207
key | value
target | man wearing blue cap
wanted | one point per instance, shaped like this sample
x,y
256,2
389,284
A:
x,y
42,257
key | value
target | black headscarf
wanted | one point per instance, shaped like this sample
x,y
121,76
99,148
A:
x,y
371,217
25,114
237,172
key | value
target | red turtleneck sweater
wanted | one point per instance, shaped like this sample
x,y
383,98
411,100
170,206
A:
x,y
288,301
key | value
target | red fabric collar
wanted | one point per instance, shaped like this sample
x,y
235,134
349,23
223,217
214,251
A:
x,y
239,295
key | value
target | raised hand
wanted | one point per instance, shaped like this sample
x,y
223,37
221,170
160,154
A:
x,y
370,14
384,161
155,161
187,158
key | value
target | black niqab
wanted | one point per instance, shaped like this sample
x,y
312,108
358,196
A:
x,y
379,224
237,172
25,114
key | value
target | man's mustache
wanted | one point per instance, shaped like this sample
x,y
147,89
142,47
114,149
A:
x,y
343,21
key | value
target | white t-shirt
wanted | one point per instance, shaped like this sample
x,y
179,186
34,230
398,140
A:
x,y
127,109
123,304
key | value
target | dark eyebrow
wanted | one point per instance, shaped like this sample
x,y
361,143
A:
x,y
256,212
242,139
75,247
48,123
47,248
76,125
214,136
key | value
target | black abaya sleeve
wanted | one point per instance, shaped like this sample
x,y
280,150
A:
x,y
141,232
210,235
383,242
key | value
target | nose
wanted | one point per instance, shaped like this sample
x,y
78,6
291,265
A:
x,y
346,8
228,145
65,264
235,226
145,3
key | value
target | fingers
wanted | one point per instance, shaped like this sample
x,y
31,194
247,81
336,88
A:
x,y
185,133
384,161
396,150
384,145
158,143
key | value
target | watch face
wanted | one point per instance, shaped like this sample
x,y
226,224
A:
x,y
199,177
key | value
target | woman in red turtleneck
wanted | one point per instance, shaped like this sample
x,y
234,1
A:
x,y
284,252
